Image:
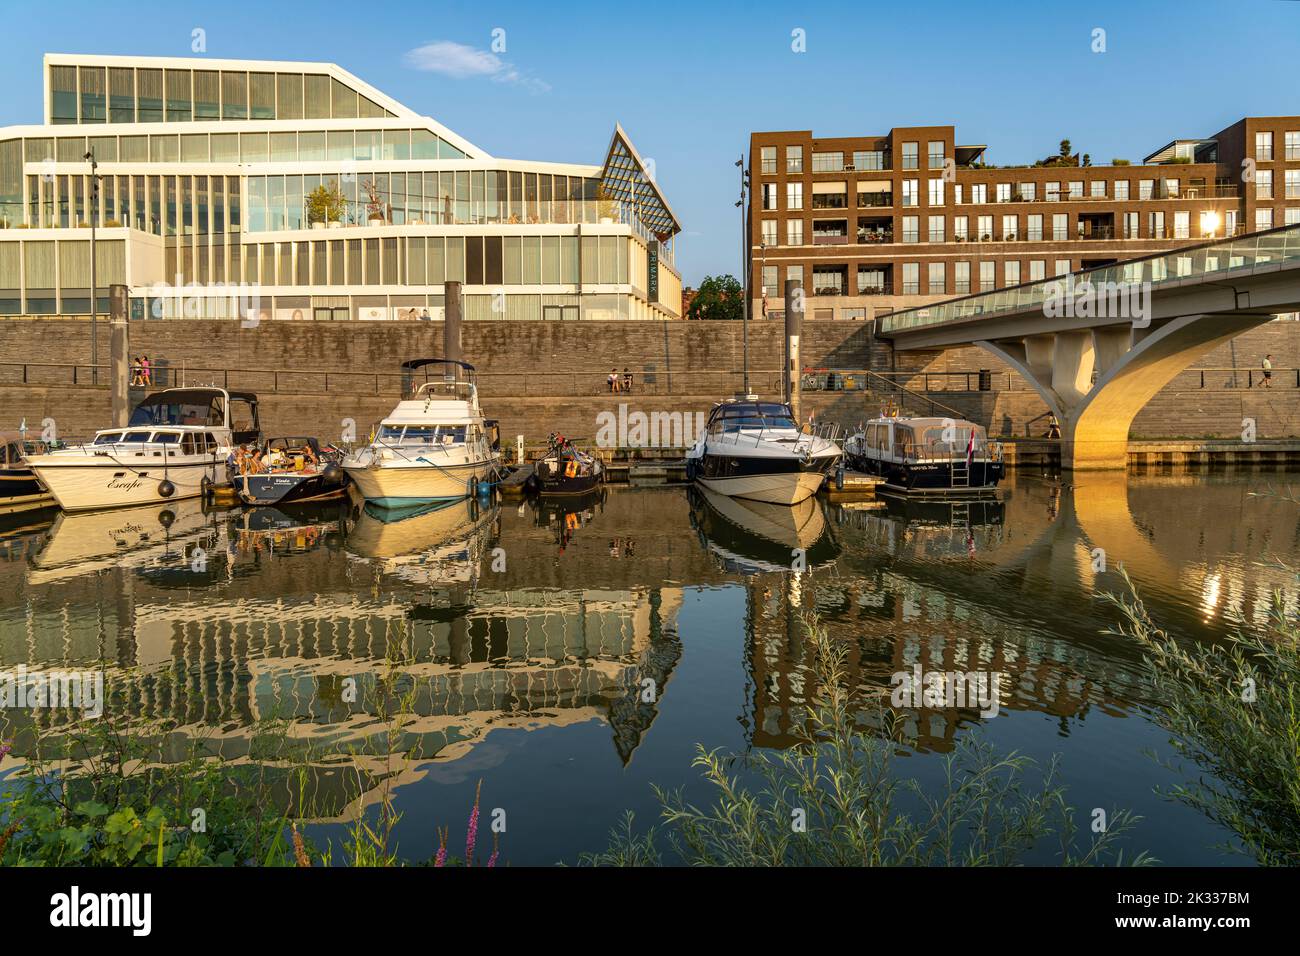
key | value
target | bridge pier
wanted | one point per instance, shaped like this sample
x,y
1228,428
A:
x,y
1131,363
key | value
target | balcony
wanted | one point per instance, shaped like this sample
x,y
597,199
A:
x,y
869,236
875,200
886,288
830,239
830,201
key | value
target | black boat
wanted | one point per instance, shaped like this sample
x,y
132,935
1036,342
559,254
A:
x,y
564,470
290,471
20,489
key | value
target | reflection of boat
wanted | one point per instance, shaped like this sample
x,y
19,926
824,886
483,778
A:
x,y
300,527
86,543
175,446
927,454
567,514
759,536
439,542
435,446
298,471
564,470
20,489
756,450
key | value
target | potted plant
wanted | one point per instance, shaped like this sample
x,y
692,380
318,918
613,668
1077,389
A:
x,y
325,205
375,206
606,206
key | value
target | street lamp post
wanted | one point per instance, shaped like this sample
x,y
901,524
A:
x,y
94,209
744,264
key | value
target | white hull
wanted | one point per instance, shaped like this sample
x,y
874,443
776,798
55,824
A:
x,y
395,485
91,486
778,489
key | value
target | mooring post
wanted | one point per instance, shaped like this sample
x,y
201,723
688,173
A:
x,y
120,347
793,326
451,348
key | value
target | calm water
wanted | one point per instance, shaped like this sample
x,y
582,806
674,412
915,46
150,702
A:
x,y
524,637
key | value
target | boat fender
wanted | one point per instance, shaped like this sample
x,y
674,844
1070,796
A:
x,y
166,488
473,487
332,473
839,476
207,490
166,517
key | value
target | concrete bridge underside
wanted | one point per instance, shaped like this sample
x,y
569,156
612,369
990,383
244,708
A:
x,y
1131,366
1097,371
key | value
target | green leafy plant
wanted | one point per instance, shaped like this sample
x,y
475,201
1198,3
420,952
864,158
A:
x,y
1233,709
856,810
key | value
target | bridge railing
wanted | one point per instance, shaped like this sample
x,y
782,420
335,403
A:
x,y
1217,258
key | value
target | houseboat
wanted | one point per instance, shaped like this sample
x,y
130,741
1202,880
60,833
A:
x,y
175,446
927,454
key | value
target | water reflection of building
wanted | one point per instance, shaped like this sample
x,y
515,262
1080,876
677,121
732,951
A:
x,y
359,675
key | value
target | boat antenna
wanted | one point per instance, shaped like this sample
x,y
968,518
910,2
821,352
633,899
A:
x,y
744,264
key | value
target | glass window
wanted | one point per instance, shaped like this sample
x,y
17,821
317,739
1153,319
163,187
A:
x,y
911,228
121,95
288,91
794,159
910,155
1121,190
1263,184
938,283
149,101
910,190
961,277
911,278
936,192
1011,273
827,162
767,160
936,229
93,81
1264,146
935,154
207,95
234,96
179,102
261,96
794,195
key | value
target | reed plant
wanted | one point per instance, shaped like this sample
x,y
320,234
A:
x,y
839,798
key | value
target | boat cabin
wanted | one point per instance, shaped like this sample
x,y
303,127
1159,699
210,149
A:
x,y
149,440
13,448
735,416
202,407
922,439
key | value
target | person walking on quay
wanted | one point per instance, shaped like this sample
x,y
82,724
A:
x,y
1053,429
146,373
1267,365
136,372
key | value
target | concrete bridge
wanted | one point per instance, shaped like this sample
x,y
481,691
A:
x,y
1098,344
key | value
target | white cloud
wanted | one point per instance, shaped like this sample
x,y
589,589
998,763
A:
x,y
461,61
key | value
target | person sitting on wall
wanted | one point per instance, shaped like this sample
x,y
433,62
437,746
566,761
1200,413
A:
x,y
1053,429
627,379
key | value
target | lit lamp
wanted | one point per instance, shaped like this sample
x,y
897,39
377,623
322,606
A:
x,y
1209,223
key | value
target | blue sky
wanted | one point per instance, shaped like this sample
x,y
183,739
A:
x,y
689,81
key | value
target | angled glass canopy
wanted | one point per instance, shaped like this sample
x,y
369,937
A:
x,y
624,178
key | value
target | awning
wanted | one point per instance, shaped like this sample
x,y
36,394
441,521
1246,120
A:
x,y
624,178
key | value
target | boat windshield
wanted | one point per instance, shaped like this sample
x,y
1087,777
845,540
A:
x,y
751,415
422,434
179,413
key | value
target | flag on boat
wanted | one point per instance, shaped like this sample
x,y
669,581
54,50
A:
x,y
970,448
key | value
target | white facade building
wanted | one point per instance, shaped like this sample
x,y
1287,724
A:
x,y
206,168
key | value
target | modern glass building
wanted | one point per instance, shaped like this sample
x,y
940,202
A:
x,y
230,188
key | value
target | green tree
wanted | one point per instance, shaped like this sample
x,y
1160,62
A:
x,y
719,297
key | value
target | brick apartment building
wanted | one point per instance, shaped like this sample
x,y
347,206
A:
x,y
874,223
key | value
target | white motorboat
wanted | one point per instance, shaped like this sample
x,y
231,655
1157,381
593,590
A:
x,y
435,446
175,446
756,450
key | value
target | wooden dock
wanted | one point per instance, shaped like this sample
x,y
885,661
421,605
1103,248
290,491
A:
x,y
857,487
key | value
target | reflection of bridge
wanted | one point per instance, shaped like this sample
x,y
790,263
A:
x,y
1099,344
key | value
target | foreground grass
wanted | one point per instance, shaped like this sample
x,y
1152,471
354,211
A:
x,y
1233,710
836,799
